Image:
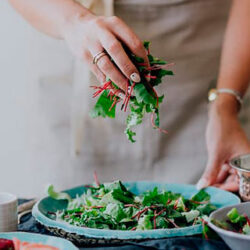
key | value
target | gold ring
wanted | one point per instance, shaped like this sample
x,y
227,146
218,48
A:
x,y
98,56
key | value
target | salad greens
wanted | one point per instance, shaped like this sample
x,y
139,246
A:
x,y
141,97
113,206
238,223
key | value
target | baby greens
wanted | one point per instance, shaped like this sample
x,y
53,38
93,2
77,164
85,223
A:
x,y
113,206
239,223
141,97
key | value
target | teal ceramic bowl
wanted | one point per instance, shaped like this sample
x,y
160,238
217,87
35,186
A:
x,y
81,235
62,244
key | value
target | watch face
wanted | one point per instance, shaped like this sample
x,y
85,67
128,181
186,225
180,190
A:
x,y
212,95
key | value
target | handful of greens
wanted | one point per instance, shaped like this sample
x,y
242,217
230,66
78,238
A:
x,y
141,97
238,223
113,206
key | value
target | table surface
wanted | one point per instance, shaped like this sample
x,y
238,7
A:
x,y
28,224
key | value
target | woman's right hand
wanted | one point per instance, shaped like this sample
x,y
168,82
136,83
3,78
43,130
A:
x,y
89,35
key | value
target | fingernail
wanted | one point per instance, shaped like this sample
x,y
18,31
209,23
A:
x,y
202,183
135,77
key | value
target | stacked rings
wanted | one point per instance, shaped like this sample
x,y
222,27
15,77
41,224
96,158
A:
x,y
98,56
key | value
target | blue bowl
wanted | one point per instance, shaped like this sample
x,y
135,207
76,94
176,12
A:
x,y
219,198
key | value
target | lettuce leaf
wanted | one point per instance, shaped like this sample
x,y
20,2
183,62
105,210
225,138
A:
x,y
57,195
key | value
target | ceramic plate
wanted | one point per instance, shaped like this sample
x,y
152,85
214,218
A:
x,y
62,244
219,198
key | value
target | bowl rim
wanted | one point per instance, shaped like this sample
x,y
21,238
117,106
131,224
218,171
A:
x,y
224,231
233,165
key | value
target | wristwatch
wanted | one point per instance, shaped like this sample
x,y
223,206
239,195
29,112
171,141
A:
x,y
214,93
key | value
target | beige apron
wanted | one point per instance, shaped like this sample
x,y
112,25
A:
x,y
53,98
189,33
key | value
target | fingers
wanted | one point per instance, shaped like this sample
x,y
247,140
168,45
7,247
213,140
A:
x,y
121,59
210,174
223,173
108,68
99,75
128,37
231,184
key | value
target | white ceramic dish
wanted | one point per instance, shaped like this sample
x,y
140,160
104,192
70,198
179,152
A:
x,y
235,241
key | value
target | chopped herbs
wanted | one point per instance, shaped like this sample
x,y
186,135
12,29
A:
x,y
238,223
113,206
141,97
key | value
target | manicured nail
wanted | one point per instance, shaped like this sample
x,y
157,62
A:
x,y
202,183
135,77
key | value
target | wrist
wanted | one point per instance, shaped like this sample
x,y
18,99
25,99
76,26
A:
x,y
224,105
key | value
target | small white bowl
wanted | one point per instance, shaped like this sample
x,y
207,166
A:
x,y
235,241
8,212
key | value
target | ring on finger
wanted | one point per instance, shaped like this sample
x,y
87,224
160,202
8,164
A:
x,y
98,56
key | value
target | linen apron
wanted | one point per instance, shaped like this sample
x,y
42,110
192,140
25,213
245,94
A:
x,y
186,32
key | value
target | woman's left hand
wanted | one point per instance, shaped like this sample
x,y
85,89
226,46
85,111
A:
x,y
225,139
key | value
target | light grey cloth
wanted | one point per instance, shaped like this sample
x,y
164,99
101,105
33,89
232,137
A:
x,y
189,33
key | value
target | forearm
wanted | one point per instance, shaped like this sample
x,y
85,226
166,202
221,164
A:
x,y
235,60
49,16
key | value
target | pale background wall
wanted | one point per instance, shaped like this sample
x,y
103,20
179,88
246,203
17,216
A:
x,y
29,62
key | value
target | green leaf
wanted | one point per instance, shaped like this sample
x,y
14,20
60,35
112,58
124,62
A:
x,y
206,209
235,217
146,44
181,205
145,223
161,222
142,94
107,199
122,196
119,192
191,215
115,211
130,135
57,195
102,107
201,196
155,197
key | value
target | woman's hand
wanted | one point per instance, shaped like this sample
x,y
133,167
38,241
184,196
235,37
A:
x,y
225,139
89,35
